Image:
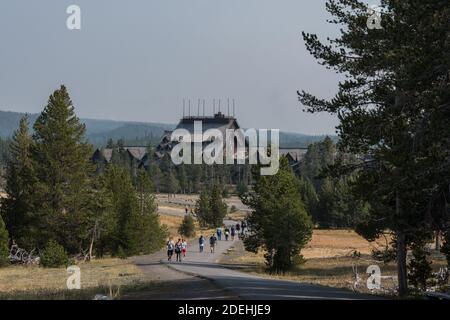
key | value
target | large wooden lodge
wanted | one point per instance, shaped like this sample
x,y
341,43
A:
x,y
139,156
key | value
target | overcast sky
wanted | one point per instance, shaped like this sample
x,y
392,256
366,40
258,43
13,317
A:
x,y
136,60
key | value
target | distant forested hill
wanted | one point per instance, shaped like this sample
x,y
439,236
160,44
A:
x,y
135,133
98,131
299,140
9,121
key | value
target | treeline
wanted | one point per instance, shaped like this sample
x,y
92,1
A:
x,y
328,197
4,144
54,195
3,151
130,135
181,179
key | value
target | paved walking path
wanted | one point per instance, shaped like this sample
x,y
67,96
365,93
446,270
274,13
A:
x,y
201,276
171,284
247,286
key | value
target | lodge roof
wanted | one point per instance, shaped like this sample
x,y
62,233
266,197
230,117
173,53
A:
x,y
137,153
219,121
297,154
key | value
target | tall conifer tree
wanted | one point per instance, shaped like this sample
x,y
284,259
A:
x,y
393,106
17,207
61,157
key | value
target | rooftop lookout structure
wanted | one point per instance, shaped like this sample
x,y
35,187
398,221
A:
x,y
218,121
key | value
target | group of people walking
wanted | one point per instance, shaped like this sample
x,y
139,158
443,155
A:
x,y
228,232
180,247
212,243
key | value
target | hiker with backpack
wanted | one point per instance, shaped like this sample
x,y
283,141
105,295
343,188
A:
x,y
178,247
183,247
227,233
212,242
170,248
243,227
201,243
219,233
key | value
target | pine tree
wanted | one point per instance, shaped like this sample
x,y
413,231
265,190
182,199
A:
x,y
110,144
195,174
4,244
62,166
203,208
17,207
120,156
326,208
309,197
172,186
131,226
121,223
4,146
187,227
144,188
153,234
182,178
241,189
278,222
153,169
218,207
391,108
445,249
420,270
319,157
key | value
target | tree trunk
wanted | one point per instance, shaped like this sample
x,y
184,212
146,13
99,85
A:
x,y
438,242
91,246
401,256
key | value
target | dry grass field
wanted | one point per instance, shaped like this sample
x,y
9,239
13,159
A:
x,y
97,277
101,276
335,243
172,223
329,262
171,215
237,215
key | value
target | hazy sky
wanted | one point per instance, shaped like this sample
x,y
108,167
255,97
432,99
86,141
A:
x,y
137,60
